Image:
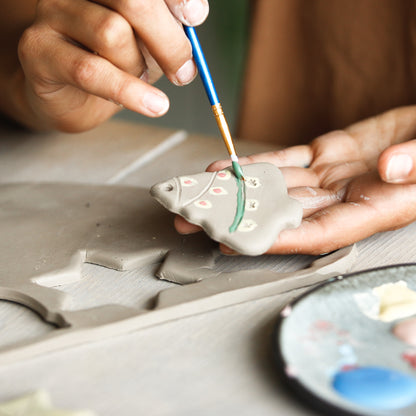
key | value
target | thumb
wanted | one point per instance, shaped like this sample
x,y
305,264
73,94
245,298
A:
x,y
397,164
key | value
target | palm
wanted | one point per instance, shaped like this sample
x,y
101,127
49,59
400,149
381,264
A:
x,y
347,211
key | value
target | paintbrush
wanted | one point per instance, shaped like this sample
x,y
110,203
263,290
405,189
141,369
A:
x,y
216,106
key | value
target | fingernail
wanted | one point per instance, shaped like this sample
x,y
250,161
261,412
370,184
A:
x,y
145,76
195,11
186,73
158,104
399,168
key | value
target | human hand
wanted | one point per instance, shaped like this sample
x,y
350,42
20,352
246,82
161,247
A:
x,y
81,58
350,188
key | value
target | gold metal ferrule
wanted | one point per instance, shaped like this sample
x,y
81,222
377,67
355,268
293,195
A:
x,y
223,126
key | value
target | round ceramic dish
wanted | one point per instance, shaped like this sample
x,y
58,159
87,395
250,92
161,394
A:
x,y
336,347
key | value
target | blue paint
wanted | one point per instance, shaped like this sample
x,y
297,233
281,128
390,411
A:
x,y
376,387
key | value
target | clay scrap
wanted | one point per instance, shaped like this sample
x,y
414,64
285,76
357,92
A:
x,y
36,404
209,200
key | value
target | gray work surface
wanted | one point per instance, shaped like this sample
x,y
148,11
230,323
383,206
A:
x,y
213,363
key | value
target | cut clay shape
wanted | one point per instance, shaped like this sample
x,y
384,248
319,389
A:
x,y
210,200
36,404
49,230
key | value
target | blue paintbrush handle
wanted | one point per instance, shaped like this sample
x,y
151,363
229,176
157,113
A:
x,y
202,65
205,75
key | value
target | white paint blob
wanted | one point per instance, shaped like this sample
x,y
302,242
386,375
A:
x,y
252,182
388,302
252,205
397,301
247,226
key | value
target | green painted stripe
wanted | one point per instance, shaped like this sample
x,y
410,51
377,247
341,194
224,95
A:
x,y
241,203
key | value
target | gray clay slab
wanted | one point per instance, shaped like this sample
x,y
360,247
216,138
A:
x,y
95,156
50,230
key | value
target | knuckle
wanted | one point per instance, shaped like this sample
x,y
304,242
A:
x,y
175,55
138,7
334,139
113,31
83,70
44,7
280,157
187,47
175,59
183,48
120,89
28,43
250,159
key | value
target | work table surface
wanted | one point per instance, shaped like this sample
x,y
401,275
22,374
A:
x,y
218,362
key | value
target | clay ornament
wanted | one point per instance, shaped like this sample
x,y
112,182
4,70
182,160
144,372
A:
x,y
210,200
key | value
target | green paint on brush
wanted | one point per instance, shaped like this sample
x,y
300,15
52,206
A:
x,y
237,170
241,201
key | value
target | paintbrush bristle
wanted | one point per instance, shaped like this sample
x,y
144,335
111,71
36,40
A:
x,y
238,170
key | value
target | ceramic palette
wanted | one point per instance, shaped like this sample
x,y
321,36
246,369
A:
x,y
348,347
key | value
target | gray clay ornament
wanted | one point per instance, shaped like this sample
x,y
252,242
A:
x,y
209,200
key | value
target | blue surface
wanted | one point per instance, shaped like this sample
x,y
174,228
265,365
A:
x,y
202,65
376,387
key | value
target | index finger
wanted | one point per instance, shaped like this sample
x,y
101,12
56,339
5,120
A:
x,y
296,156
